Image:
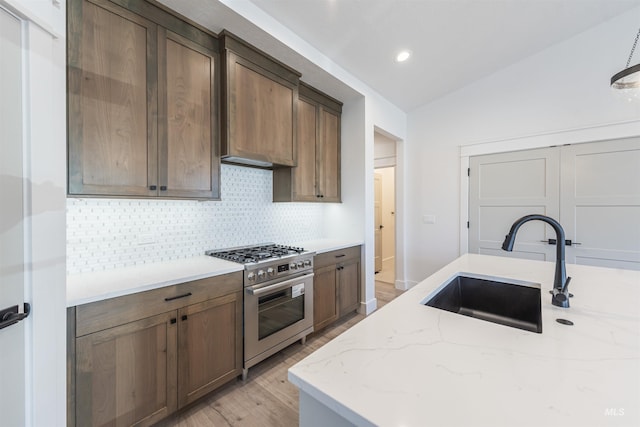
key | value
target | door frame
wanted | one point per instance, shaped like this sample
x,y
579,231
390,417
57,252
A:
x,y
551,139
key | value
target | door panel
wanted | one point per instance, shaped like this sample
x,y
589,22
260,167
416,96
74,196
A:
x,y
305,173
187,118
329,169
12,338
601,202
112,101
126,375
209,346
377,209
504,187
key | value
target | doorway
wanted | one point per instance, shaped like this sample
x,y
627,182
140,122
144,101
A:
x,y
384,187
385,182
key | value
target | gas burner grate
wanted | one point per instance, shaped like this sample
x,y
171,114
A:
x,y
256,253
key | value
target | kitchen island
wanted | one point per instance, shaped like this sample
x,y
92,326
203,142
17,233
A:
x,y
412,365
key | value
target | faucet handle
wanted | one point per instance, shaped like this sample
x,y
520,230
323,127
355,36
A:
x,y
565,287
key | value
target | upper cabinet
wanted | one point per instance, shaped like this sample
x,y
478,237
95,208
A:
x,y
317,175
260,106
143,103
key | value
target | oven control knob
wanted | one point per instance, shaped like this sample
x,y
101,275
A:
x,y
260,274
251,276
300,265
307,262
270,271
293,266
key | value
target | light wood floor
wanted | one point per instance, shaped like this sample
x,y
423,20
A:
x,y
267,398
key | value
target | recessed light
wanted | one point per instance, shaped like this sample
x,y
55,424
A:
x,y
403,55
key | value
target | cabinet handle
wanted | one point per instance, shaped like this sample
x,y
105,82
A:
x,y
178,297
152,187
173,320
341,255
163,188
184,317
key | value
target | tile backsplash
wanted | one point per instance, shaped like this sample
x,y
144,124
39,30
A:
x,y
104,234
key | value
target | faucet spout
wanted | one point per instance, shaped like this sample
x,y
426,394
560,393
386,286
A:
x,y
560,282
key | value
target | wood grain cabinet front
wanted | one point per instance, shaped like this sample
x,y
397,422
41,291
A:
x,y
260,106
336,285
184,341
143,103
316,178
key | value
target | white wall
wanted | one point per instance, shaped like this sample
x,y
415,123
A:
x,y
559,91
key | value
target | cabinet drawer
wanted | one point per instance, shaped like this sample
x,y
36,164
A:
x,y
100,315
337,256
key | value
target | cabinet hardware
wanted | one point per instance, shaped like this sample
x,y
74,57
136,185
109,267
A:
x,y
173,320
340,256
10,316
178,297
184,317
163,188
152,187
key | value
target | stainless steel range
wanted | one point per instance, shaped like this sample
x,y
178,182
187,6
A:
x,y
278,297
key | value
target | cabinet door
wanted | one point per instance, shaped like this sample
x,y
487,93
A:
x,y
209,346
304,175
329,156
325,309
126,375
348,287
112,101
188,125
261,113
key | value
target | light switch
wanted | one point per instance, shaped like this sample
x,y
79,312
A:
x,y
429,219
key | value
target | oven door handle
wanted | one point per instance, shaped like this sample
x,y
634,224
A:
x,y
258,290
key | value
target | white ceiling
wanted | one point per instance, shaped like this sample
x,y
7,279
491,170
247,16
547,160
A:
x,y
454,42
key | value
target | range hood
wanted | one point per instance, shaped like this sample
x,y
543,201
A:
x,y
243,161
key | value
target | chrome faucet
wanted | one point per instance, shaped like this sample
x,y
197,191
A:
x,y
560,291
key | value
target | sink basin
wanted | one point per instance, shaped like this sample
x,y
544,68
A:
x,y
507,302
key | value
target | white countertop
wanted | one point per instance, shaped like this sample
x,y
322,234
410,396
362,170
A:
x,y
326,245
412,365
96,286
90,287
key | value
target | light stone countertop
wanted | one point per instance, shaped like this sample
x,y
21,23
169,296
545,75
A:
x,y
326,245
90,287
412,365
96,286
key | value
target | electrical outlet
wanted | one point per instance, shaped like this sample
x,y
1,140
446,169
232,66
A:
x,y
146,239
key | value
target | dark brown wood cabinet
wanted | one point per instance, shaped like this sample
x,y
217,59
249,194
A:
x,y
316,178
260,106
143,104
336,285
138,358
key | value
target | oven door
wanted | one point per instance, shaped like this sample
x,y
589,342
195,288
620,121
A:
x,y
275,312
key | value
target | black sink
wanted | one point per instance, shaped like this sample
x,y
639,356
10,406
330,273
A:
x,y
507,302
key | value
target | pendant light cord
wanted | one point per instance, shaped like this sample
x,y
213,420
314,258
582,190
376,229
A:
x,y
633,48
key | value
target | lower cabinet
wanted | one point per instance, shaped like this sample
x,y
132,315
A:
x,y
141,368
336,285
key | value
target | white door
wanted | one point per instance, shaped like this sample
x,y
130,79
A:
x,y
504,187
377,232
600,205
12,338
